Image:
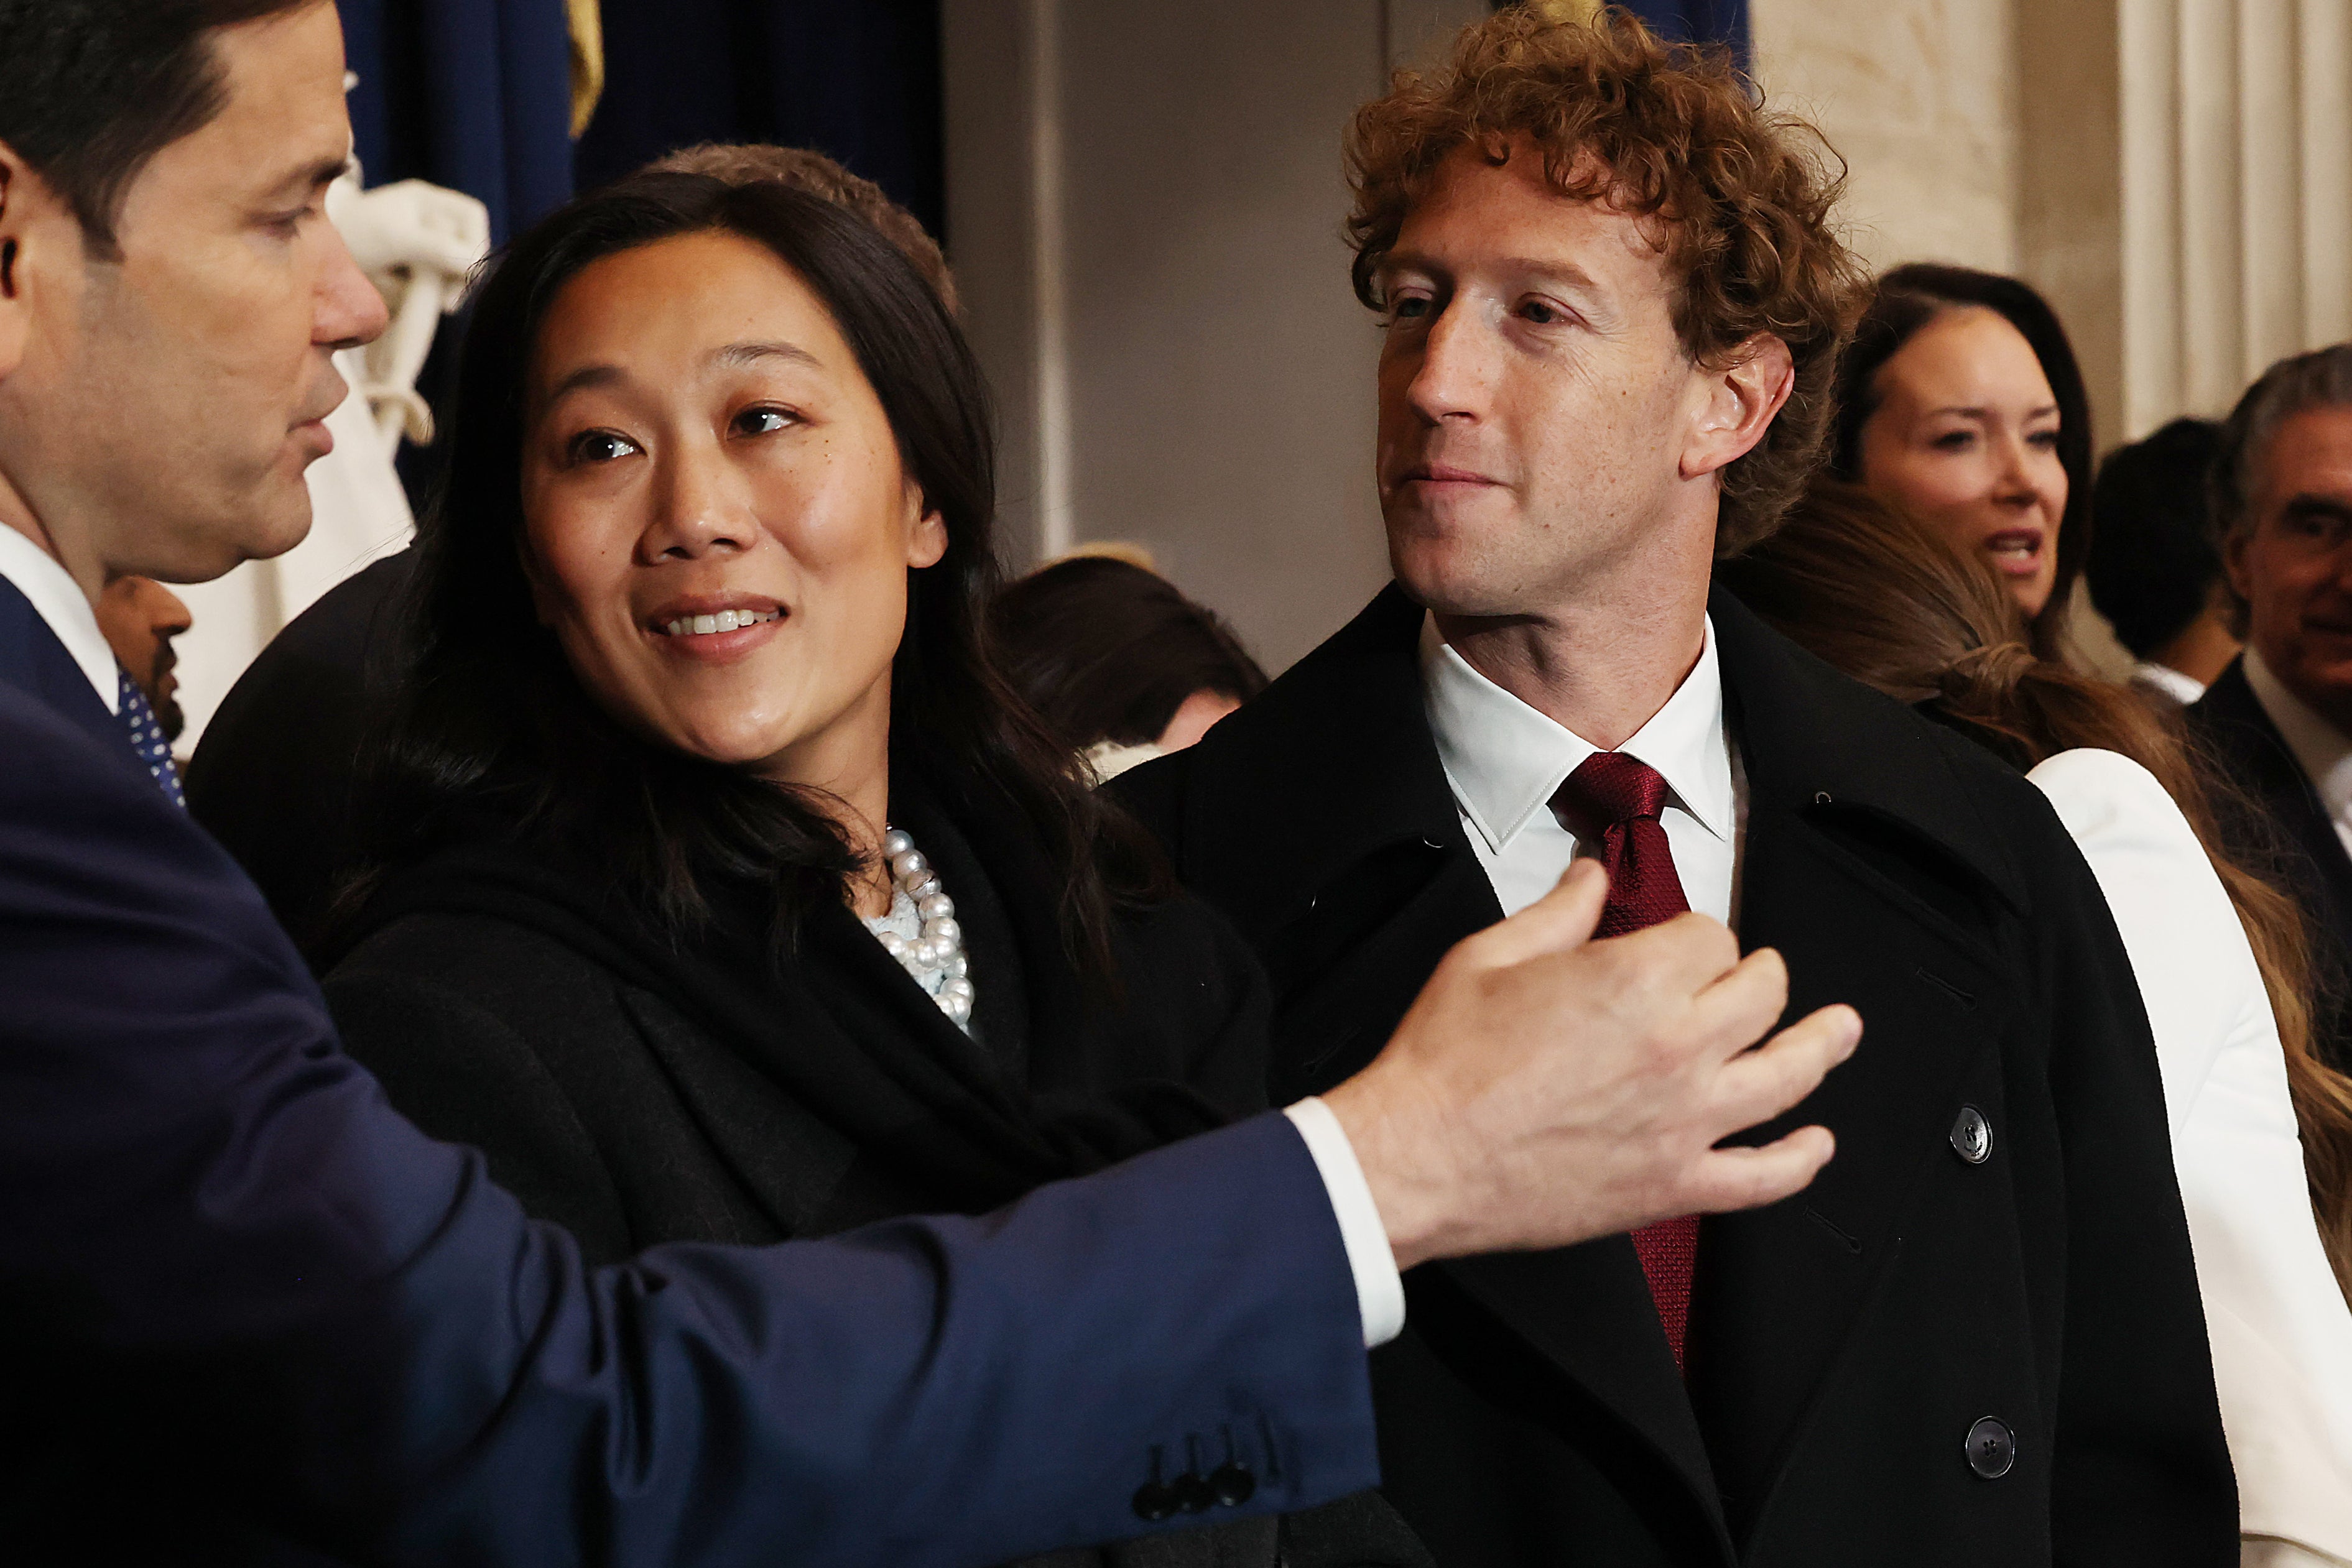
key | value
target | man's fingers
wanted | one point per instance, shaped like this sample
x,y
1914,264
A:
x,y
1740,1178
1560,921
1767,1081
1736,1006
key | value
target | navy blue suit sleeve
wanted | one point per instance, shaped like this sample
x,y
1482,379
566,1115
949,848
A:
x,y
352,1322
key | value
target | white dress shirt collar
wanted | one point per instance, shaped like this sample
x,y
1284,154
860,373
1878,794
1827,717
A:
x,y
2323,749
58,600
2182,689
1506,759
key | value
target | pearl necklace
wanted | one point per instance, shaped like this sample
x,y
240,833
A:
x,y
921,930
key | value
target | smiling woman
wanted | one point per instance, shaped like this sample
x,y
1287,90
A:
x,y
724,890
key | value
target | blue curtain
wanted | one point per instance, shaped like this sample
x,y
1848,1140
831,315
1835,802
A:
x,y
1699,22
1691,22
471,94
857,79
476,94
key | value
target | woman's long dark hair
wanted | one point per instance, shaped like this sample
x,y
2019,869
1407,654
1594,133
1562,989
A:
x,y
493,725
1908,297
1891,602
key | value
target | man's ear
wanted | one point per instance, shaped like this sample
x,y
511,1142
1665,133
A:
x,y
14,318
1738,403
2233,560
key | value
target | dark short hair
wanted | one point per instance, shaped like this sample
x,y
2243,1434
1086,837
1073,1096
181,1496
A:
x,y
1904,301
2320,379
494,722
92,89
1108,651
2153,563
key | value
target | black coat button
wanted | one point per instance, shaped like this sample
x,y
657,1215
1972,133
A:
x,y
1992,1448
1155,1501
1972,1135
1192,1493
1232,1483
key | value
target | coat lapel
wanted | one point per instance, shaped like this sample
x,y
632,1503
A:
x,y
2252,744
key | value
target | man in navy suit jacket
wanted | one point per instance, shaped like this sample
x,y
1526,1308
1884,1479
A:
x,y
254,1314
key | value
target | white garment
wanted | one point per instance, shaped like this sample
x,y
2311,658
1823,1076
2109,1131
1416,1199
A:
x,y
2281,1331
2323,750
1380,1292
1505,762
1107,760
2165,679
58,600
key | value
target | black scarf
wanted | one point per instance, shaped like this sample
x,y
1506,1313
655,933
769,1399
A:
x,y
967,1125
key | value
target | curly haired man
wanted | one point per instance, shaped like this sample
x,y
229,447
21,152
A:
x,y
1613,300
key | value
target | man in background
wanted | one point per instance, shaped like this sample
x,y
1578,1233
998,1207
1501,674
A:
x,y
140,617
2279,719
2152,571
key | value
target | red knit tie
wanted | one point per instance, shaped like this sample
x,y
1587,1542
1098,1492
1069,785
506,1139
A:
x,y
1612,801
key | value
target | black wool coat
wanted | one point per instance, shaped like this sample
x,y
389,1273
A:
x,y
637,1094
2272,820
1852,1348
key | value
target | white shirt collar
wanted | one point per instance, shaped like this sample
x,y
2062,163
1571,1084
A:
x,y
1506,759
2182,689
2322,749
58,600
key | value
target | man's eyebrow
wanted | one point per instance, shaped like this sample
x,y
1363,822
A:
x,y
1561,272
2311,504
311,176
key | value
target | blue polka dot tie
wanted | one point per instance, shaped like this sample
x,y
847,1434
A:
x,y
147,739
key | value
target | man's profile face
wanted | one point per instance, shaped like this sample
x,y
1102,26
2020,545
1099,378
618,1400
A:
x,y
2294,565
140,617
1534,396
169,400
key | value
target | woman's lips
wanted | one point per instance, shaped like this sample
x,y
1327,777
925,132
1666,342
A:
x,y
714,631
2017,551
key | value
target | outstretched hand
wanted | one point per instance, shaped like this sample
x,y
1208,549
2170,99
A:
x,y
1546,1088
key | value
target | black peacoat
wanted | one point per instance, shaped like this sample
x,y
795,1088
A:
x,y
1976,1339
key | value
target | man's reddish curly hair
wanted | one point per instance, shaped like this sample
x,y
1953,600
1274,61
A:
x,y
1740,199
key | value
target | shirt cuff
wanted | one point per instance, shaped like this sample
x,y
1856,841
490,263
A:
x,y
1379,1293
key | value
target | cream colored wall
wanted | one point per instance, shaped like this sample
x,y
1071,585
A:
x,y
1980,133
1920,98
1145,203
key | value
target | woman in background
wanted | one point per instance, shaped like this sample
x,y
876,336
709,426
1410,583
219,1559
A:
x,y
1123,666
1960,401
2217,954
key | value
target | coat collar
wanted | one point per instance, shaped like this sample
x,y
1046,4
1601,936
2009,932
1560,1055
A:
x,y
1332,763
1336,760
